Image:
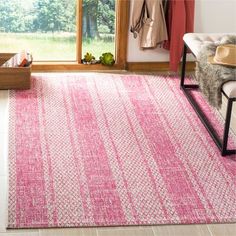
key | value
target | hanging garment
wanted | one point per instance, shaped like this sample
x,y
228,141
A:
x,y
180,20
148,21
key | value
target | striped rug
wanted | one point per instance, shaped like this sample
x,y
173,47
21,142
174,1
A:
x,y
108,150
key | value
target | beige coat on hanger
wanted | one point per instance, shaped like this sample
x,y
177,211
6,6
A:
x,y
148,20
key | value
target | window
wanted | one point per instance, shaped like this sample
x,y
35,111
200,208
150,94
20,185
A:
x,y
62,30
47,28
98,34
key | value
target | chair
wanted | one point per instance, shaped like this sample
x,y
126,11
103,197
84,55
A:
x,y
193,42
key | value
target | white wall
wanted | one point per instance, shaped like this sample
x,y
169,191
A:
x,y
211,16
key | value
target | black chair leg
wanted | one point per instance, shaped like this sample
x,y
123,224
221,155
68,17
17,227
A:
x,y
183,66
224,151
221,144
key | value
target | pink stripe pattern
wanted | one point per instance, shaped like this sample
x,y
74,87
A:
x,y
110,150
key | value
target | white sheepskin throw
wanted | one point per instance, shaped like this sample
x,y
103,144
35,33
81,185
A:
x,y
212,77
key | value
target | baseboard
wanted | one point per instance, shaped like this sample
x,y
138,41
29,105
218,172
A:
x,y
72,67
154,66
129,66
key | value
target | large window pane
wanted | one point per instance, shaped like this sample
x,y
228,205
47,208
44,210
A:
x,y
47,28
98,27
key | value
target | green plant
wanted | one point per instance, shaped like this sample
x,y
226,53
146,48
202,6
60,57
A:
x,y
107,59
88,57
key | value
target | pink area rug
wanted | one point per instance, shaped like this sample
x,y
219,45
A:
x,y
108,150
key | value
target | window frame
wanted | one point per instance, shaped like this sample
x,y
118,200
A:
x,y
121,40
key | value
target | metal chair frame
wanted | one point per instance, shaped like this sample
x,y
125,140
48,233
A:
x,y
221,143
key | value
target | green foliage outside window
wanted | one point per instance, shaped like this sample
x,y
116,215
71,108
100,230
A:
x,y
57,16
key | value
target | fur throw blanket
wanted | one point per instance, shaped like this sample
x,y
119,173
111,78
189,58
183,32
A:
x,y
212,77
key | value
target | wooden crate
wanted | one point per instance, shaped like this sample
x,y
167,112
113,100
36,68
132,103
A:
x,y
13,77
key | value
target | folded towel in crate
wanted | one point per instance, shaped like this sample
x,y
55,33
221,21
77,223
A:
x,y
21,59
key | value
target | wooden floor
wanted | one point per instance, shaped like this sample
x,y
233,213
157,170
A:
x,y
168,230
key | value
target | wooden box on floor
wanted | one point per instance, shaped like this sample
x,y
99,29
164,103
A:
x,y
13,77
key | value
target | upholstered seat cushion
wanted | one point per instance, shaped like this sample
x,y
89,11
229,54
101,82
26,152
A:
x,y
195,41
230,89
